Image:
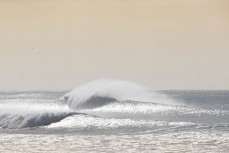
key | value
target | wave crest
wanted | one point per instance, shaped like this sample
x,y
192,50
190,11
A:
x,y
105,91
25,114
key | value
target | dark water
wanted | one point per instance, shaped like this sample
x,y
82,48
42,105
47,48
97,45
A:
x,y
41,121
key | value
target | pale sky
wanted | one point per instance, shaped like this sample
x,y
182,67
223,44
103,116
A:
x,y
162,44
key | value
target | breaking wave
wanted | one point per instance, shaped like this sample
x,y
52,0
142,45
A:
x,y
105,91
13,121
25,114
108,100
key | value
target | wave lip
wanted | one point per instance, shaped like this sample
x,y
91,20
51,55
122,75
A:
x,y
105,91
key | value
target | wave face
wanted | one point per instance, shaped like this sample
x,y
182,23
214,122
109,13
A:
x,y
24,114
105,91
13,121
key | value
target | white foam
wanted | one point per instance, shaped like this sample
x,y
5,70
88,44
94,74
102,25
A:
x,y
26,114
101,91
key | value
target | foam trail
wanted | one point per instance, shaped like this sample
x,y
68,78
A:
x,y
104,91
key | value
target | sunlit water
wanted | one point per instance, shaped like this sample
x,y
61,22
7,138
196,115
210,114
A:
x,y
41,121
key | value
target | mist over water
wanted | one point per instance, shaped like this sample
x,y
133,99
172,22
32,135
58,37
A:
x,y
104,91
123,111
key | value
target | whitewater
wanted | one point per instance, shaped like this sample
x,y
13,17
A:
x,y
109,115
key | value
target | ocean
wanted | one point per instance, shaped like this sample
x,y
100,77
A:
x,y
119,117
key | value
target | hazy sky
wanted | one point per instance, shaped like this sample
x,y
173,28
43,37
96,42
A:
x,y
163,44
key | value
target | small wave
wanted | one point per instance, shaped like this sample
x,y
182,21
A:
x,y
88,123
160,112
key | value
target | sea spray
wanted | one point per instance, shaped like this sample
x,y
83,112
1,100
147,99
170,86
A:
x,y
105,91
